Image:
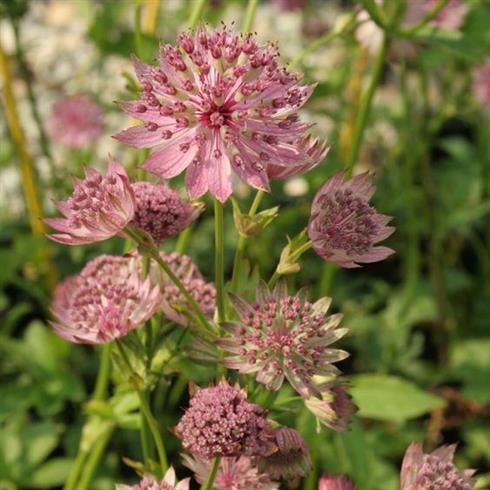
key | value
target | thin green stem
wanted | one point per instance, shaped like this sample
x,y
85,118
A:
x,y
76,469
250,15
183,240
219,248
196,13
137,30
430,16
103,374
214,471
327,278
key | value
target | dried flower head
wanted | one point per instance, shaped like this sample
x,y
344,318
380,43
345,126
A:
x,y
238,473
75,121
99,208
344,227
221,422
160,211
105,301
328,482
292,458
481,83
283,336
433,471
217,104
149,482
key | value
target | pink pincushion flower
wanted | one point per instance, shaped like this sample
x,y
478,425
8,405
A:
x,y
481,83
160,211
76,121
149,482
344,227
99,208
221,422
283,336
435,470
217,104
105,301
328,482
238,473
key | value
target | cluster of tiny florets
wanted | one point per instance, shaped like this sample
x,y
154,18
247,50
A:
x,y
437,474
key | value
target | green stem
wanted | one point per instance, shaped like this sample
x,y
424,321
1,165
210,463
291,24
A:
x,y
103,374
145,438
250,15
430,16
294,256
219,259
196,13
76,469
137,30
366,105
329,269
183,240
214,471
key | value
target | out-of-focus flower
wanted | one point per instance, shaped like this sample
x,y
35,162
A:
x,y
328,482
160,211
344,227
435,470
221,422
239,473
291,4
149,482
75,121
451,17
99,208
218,103
283,336
335,408
292,458
105,301
174,305
481,83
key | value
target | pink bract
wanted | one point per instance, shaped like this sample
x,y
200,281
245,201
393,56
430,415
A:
x,y
149,482
328,482
75,121
106,301
344,227
99,208
219,104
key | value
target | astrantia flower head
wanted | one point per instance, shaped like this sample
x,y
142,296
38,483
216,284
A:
x,y
75,121
105,301
328,482
219,104
481,83
433,471
283,336
149,482
99,208
238,473
344,227
160,211
221,422
292,458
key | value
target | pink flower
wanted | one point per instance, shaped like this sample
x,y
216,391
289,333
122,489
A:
x,y
76,122
238,473
99,208
221,422
335,483
451,17
149,482
435,470
283,336
344,227
217,104
105,301
481,83
160,211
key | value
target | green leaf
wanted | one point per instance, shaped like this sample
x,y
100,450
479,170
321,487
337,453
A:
x,y
51,474
39,441
390,398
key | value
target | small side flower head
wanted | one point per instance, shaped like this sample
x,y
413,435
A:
x,y
435,470
221,422
149,482
99,208
292,458
343,227
328,482
104,302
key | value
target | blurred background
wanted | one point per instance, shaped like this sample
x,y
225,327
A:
x,y
419,321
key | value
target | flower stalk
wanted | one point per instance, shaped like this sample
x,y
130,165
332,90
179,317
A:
x,y
219,259
212,476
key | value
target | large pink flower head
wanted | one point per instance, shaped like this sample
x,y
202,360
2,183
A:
x,y
105,301
239,473
283,336
76,121
433,471
221,422
481,83
99,208
344,227
328,482
160,211
149,482
217,104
